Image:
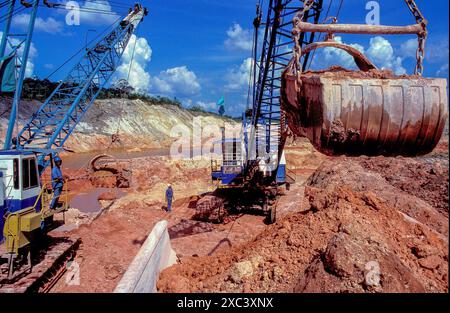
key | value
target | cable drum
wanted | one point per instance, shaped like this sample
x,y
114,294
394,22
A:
x,y
366,112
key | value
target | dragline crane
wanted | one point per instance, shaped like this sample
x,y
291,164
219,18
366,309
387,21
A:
x,y
24,208
366,112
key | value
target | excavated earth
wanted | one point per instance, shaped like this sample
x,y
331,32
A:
x,y
346,225
112,238
338,71
136,124
363,225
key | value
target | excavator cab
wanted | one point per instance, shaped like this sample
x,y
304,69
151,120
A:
x,y
227,170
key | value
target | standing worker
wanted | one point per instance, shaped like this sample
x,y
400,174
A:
x,y
57,182
169,197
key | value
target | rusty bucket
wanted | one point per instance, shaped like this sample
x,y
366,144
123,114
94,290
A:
x,y
366,112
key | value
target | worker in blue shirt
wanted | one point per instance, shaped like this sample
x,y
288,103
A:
x,y
57,182
169,197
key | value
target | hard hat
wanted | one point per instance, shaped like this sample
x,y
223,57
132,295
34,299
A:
x,y
169,185
57,159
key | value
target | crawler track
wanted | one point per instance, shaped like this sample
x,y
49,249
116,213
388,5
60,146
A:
x,y
49,267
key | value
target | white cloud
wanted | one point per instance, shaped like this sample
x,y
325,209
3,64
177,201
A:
x,y
30,69
208,106
139,79
239,38
339,56
177,81
48,25
382,54
238,78
408,48
436,52
96,12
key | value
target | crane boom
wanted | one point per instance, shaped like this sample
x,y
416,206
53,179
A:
x,y
56,119
20,44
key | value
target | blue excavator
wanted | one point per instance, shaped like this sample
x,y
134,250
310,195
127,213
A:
x,y
27,152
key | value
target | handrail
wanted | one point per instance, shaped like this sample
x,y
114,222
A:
x,y
45,187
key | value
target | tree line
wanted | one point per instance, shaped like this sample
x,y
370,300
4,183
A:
x,y
41,89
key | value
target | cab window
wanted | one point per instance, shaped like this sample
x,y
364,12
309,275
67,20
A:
x,y
16,173
34,181
29,173
25,174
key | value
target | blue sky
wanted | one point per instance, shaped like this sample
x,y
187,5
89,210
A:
x,y
198,50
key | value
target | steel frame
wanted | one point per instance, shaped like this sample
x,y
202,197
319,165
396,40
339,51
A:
x,y
276,53
56,119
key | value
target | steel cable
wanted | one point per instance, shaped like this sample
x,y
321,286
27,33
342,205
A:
x,y
82,48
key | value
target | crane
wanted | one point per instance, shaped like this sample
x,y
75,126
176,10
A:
x,y
254,165
339,115
24,197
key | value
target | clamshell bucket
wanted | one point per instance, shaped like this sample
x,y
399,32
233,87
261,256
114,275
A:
x,y
366,112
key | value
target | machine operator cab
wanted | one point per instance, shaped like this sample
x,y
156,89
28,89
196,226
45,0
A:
x,y
228,170
20,183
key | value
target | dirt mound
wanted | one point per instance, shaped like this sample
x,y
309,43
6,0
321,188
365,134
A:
x,y
344,267
426,180
338,71
189,227
386,177
357,233
210,208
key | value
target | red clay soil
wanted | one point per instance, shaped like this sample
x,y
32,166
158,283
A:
x,y
109,245
356,214
340,72
359,230
111,241
426,180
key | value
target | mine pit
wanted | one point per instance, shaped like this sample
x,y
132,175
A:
x,y
132,173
